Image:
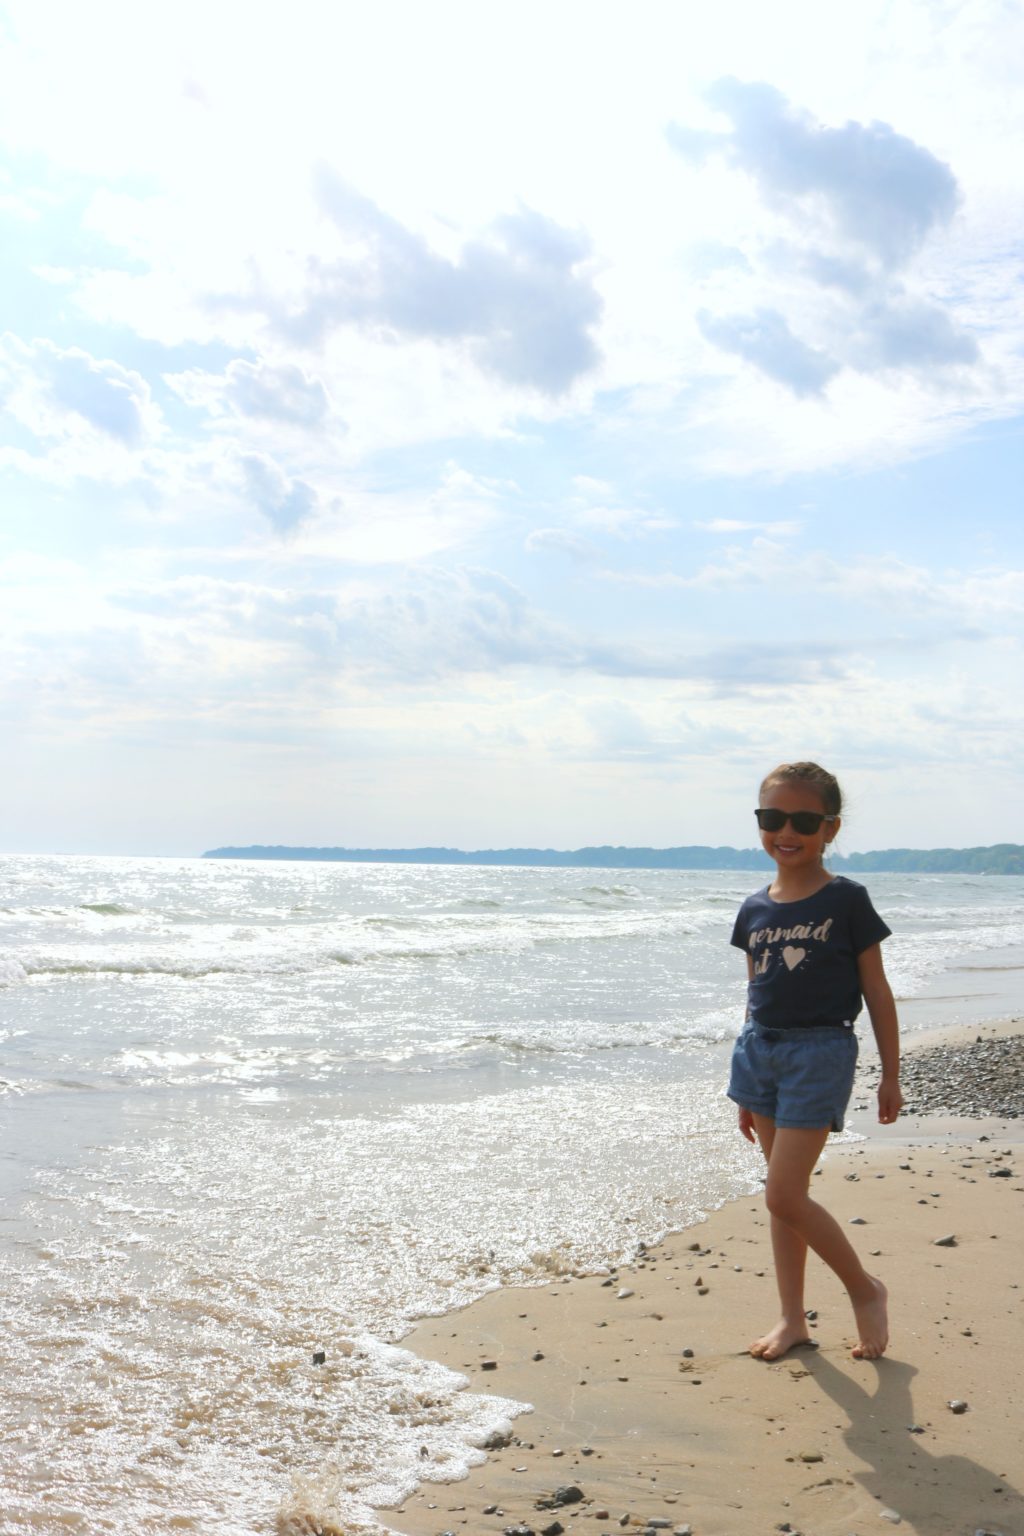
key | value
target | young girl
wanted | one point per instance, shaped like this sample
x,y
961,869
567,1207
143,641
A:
x,y
813,946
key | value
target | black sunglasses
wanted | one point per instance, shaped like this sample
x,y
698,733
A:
x,y
804,822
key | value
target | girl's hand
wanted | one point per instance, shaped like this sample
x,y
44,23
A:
x,y
746,1122
890,1100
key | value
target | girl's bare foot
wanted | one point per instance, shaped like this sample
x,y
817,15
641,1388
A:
x,y
784,1336
872,1323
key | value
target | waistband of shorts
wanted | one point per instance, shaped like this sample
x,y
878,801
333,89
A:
x,y
790,1031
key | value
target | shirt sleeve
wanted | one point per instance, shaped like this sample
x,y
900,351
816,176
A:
x,y
866,927
740,928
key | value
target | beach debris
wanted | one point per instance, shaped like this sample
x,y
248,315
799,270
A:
x,y
320,1357
683,1530
811,1456
956,1405
488,1365
624,1293
586,1450
890,1515
538,1354
916,1429
607,1282
1000,1173
857,1221
601,1514
659,1525
687,1354
558,1453
568,1494
811,1315
519,1530
498,1440
491,1509
949,1241
554,1529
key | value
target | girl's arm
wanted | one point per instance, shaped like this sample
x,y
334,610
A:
x,y
881,1007
746,1119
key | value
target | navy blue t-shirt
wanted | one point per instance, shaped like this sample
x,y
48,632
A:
x,y
804,954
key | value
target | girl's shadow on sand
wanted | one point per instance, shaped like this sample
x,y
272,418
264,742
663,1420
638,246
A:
x,y
904,1474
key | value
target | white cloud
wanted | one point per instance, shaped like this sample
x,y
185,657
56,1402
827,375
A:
x,y
765,339
283,392
875,186
64,395
563,542
285,502
988,602
776,530
519,296
861,200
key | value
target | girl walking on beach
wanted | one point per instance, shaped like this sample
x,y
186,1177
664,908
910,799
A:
x,y
813,947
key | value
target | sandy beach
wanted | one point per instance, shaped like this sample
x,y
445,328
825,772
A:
x,y
649,1413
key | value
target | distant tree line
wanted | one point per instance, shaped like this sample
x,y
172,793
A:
x,y
1000,859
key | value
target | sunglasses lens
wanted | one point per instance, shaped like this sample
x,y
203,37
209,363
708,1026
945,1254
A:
x,y
771,821
806,822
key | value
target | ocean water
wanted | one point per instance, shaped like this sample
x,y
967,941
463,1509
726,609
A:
x,y
253,1111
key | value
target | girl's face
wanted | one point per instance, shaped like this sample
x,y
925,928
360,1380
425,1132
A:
x,y
791,849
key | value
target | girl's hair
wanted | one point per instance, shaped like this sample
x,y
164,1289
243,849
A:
x,y
825,783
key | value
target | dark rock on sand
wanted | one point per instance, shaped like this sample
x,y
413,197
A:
x,y
569,1494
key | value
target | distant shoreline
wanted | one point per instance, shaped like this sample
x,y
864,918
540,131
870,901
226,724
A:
x,y
998,859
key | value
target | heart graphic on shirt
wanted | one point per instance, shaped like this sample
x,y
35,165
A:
x,y
793,956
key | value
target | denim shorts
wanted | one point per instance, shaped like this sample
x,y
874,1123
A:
x,y
801,1078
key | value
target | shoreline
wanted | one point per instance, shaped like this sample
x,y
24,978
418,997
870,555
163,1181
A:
x,y
724,1444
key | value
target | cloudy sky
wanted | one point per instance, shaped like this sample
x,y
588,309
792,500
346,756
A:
x,y
501,423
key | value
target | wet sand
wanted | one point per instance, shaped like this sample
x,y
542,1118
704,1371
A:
x,y
726,1445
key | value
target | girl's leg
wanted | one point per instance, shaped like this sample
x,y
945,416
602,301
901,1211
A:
x,y
789,1250
791,1162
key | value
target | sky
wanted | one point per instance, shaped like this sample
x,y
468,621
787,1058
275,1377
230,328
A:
x,y
508,425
